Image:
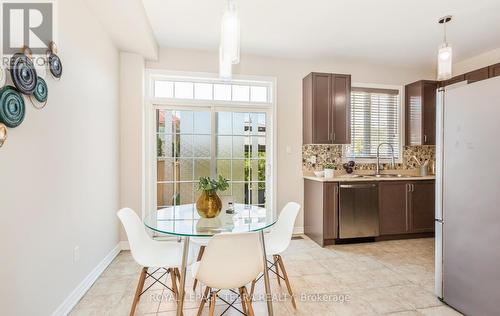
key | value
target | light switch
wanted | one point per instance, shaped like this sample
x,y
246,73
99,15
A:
x,y
288,149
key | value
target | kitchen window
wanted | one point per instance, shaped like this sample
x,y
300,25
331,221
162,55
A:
x,y
375,119
205,127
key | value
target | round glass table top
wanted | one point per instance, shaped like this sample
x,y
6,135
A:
x,y
183,220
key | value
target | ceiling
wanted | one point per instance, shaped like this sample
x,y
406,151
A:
x,y
401,33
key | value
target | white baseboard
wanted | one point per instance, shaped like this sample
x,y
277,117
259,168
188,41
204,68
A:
x,y
298,230
124,245
82,288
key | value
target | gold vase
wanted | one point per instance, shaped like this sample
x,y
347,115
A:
x,y
208,204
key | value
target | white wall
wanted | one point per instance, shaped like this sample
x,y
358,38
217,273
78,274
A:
x,y
479,61
59,174
289,74
131,132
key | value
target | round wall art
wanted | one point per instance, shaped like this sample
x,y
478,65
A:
x,y
55,64
23,73
41,93
12,108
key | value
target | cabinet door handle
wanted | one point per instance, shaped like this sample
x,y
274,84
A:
x,y
334,136
425,139
412,188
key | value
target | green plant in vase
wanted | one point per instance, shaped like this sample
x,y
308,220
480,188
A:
x,y
209,204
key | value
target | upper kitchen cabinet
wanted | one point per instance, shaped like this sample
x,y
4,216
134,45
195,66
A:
x,y
420,105
494,70
326,109
477,75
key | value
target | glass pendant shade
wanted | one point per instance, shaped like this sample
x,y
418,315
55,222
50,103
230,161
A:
x,y
229,50
444,62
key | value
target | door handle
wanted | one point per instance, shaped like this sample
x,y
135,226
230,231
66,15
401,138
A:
x,y
357,186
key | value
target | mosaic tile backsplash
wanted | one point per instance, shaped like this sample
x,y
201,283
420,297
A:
x,y
333,154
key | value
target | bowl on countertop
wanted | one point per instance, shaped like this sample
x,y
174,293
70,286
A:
x,y
319,174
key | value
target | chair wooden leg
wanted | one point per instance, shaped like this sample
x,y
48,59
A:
x,y
203,301
211,311
242,298
140,286
277,269
247,300
287,281
173,277
200,255
252,288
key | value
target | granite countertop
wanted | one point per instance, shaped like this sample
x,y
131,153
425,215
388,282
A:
x,y
366,177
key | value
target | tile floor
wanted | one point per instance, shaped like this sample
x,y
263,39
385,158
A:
x,y
383,278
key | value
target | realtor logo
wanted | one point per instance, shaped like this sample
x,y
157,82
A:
x,y
27,24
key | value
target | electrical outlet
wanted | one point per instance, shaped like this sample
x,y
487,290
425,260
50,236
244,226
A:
x,y
76,254
312,159
288,149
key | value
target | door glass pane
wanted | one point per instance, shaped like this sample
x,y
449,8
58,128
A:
x,y
203,91
185,154
183,90
163,89
241,93
222,92
258,94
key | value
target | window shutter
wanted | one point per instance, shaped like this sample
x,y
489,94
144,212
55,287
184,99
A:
x,y
374,120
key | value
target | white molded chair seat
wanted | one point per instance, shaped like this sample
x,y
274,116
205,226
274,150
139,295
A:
x,y
277,241
146,251
279,237
150,253
230,261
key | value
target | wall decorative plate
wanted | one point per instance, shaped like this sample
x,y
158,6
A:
x,y
55,64
23,73
41,93
3,134
12,108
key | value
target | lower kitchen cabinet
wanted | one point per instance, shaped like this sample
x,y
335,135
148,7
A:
x,y
393,210
406,207
321,211
422,206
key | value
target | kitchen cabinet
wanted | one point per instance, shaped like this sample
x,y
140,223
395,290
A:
x,y
453,80
422,206
326,108
406,207
420,105
321,211
393,210
477,75
494,70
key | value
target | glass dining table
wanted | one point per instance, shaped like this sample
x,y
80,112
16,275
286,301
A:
x,y
183,221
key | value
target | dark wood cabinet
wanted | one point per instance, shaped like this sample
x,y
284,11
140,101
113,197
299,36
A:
x,y
393,217
320,211
420,106
326,108
422,206
406,207
477,75
453,80
494,70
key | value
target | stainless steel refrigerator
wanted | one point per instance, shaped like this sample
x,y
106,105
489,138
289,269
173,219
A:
x,y
468,197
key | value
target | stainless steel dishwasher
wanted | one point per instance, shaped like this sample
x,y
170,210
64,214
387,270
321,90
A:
x,y
358,210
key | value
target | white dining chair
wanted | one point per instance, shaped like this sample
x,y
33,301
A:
x,y
230,261
277,241
165,256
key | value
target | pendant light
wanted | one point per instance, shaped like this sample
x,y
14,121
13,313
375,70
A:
x,y
229,49
445,54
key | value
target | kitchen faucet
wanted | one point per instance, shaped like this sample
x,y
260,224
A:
x,y
377,172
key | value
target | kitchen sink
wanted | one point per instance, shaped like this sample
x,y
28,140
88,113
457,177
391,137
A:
x,y
392,176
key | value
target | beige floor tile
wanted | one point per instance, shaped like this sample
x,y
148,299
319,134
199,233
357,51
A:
x,y
392,277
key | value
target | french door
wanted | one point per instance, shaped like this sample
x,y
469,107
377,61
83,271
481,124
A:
x,y
194,142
